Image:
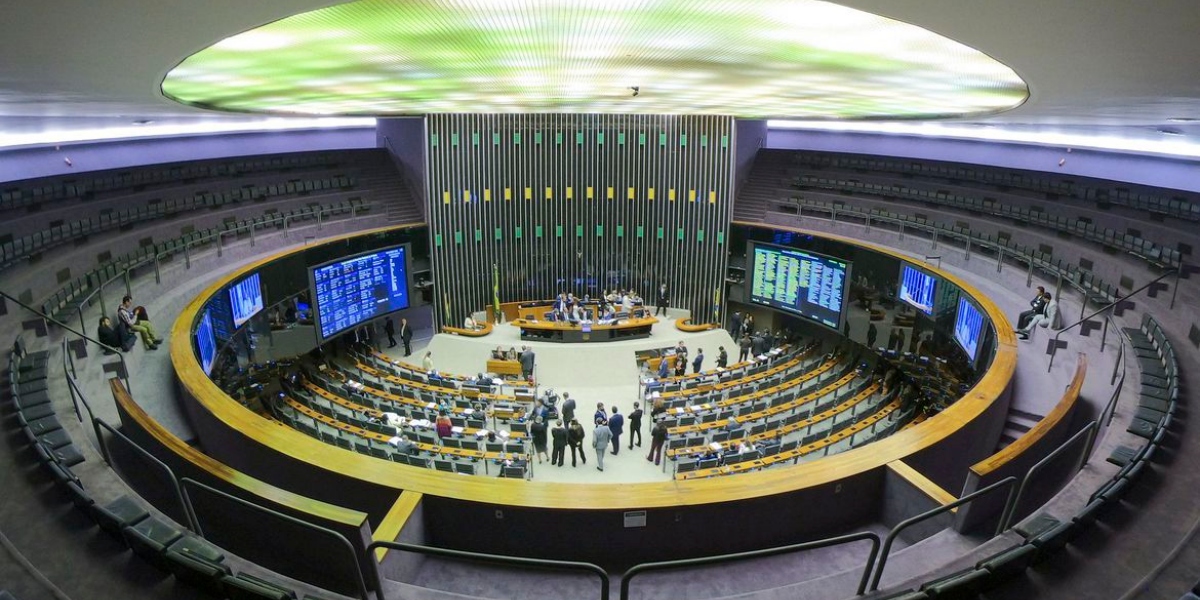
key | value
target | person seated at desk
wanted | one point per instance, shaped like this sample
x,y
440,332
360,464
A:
x,y
471,323
499,354
403,445
578,315
608,315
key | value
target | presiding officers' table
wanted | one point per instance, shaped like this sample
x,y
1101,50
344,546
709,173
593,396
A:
x,y
557,331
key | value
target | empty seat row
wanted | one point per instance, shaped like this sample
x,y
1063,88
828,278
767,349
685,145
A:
x,y
1096,289
1145,249
35,192
161,543
64,303
40,241
1164,202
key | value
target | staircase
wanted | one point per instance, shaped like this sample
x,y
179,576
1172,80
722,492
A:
x,y
390,192
766,187
1017,423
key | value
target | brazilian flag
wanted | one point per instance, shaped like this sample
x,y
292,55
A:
x,y
496,293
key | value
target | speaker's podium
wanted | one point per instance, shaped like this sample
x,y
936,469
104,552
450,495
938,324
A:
x,y
573,333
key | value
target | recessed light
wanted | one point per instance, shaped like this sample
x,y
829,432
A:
x,y
1169,131
143,121
1183,120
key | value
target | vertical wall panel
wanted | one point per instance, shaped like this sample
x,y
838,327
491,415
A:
x,y
512,190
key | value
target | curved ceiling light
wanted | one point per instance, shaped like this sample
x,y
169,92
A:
x,y
748,58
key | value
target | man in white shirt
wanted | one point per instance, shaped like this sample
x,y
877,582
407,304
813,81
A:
x,y
1048,318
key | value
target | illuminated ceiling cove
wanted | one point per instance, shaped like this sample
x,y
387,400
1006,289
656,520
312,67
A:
x,y
750,58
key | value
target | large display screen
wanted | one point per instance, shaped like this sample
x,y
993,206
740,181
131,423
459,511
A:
x,y
246,299
968,327
917,288
354,290
807,284
206,343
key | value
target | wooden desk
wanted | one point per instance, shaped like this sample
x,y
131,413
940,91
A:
x,y
685,324
555,331
504,367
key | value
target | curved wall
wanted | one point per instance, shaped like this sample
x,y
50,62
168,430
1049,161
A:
x,y
684,518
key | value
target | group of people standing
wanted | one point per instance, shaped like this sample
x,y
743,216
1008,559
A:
x,y
609,423
132,323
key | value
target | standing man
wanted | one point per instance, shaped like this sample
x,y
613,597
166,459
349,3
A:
x,y
568,408
696,364
635,425
616,424
406,336
872,333
390,329
744,347
722,357
558,437
662,300
575,437
600,440
527,361
601,414
664,368
736,323
658,438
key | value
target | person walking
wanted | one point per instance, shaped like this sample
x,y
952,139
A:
x,y
575,437
616,424
389,328
558,441
658,438
635,425
601,437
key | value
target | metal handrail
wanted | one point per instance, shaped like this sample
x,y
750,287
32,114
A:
x,y
49,319
99,423
1058,334
1089,429
564,565
905,524
707,560
186,481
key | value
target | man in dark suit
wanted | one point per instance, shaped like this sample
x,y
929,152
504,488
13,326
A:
x,y
616,424
558,437
635,425
406,336
696,364
568,408
735,325
722,357
663,299
390,329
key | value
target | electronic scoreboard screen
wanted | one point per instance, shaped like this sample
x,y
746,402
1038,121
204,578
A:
x,y
206,342
917,288
968,327
246,299
804,283
354,290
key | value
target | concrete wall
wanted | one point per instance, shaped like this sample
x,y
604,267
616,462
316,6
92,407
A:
x,y
1133,168
44,161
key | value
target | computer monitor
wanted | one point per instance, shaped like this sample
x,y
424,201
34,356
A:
x,y
917,288
351,291
804,283
968,327
245,299
206,342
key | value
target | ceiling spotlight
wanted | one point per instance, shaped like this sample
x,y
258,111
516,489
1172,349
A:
x,y
1170,131
636,90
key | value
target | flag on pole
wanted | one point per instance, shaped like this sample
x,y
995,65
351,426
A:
x,y
496,293
716,305
446,305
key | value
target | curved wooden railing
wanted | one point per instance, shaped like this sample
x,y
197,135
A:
x,y
243,433
685,324
485,328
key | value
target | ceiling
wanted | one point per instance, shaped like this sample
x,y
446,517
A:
x,y
1115,68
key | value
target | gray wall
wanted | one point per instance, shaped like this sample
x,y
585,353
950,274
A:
x,y
404,139
512,190
1161,171
750,136
44,161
